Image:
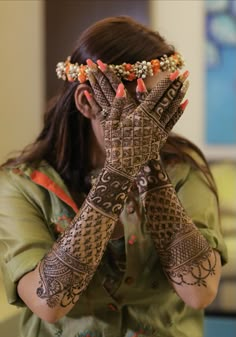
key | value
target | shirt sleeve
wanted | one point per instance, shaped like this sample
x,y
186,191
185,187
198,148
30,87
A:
x,y
201,205
24,234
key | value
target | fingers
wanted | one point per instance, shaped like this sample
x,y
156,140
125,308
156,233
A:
x,y
104,82
168,97
101,114
112,103
118,103
141,90
157,93
112,80
97,89
166,114
169,103
109,113
176,116
101,81
110,75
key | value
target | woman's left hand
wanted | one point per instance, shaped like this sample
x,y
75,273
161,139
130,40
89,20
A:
x,y
166,113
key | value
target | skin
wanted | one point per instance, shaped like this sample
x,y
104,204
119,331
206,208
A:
x,y
197,297
90,111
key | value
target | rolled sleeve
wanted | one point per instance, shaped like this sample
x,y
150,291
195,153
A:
x,y
24,234
201,205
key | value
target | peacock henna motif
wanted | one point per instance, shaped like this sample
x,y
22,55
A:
x,y
185,254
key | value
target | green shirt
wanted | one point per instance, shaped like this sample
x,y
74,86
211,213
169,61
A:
x,y
129,295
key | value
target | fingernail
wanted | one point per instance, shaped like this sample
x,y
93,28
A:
x,y
91,64
102,65
174,75
120,92
186,74
87,95
141,85
184,104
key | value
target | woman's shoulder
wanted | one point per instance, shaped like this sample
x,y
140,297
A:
x,y
14,169
22,176
36,182
15,176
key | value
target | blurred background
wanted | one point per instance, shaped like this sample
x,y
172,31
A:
x,y
35,35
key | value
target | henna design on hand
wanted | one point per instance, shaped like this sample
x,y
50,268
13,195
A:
x,y
135,133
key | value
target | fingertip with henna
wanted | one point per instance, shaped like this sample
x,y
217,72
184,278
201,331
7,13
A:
x,y
87,95
120,92
184,76
102,65
184,104
91,64
141,85
174,75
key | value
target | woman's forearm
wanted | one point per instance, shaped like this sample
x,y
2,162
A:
x,y
66,270
191,265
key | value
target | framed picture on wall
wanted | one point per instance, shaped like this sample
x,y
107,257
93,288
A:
x,y
220,72
220,133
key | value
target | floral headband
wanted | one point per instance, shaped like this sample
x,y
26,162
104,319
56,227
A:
x,y
75,72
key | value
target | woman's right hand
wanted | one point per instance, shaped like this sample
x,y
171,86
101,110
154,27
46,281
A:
x,y
134,133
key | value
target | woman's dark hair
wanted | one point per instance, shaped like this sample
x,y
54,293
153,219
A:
x,y
63,139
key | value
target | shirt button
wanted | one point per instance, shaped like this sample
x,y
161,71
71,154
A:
x,y
112,307
129,280
132,239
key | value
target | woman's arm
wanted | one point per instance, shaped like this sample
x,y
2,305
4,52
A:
x,y
191,265
52,289
130,138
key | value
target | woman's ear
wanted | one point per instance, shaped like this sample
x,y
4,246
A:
x,y
81,101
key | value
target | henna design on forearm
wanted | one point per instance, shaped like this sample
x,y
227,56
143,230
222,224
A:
x,y
185,254
133,134
68,268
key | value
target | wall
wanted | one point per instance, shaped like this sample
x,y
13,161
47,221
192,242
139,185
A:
x,y
70,18
21,88
22,73
182,23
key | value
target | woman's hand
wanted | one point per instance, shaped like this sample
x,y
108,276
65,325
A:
x,y
134,133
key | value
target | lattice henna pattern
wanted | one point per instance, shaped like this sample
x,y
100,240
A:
x,y
133,134
68,268
185,254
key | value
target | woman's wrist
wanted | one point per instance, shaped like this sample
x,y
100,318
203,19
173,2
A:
x,y
110,191
152,176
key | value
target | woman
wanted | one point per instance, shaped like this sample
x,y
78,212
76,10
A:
x,y
110,224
